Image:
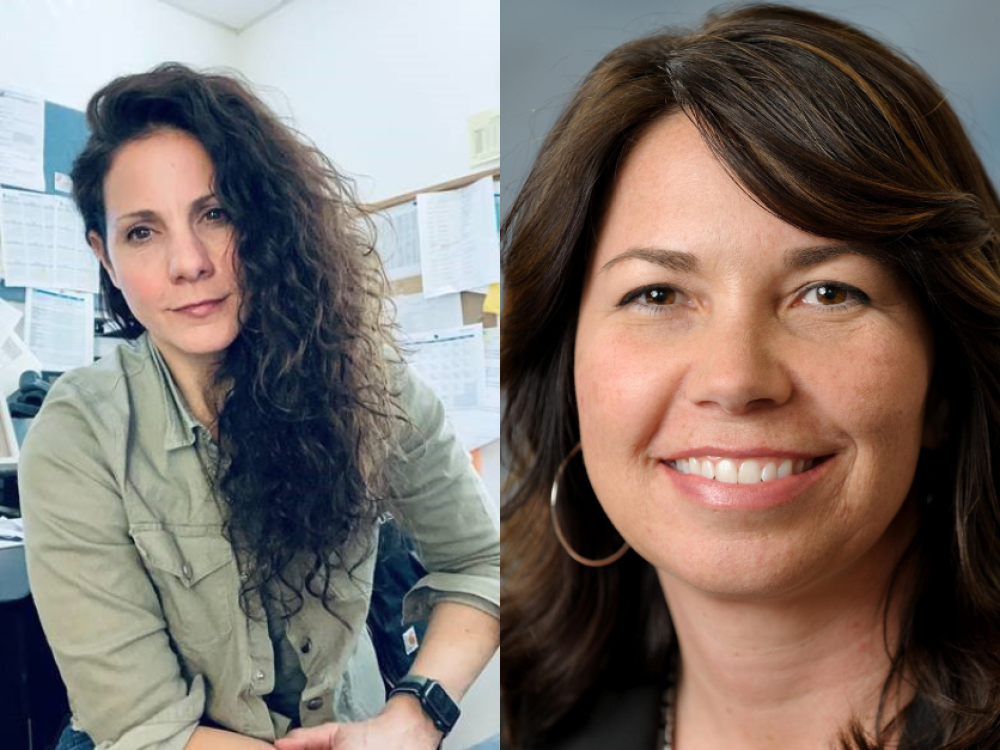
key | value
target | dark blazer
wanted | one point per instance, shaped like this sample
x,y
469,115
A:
x,y
621,720
629,720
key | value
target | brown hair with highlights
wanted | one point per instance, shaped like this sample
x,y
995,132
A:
x,y
309,415
844,138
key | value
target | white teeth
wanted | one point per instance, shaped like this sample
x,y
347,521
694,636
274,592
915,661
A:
x,y
749,471
725,471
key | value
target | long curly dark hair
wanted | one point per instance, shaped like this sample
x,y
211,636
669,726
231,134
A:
x,y
843,138
308,413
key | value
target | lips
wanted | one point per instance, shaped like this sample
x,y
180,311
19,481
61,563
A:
x,y
732,492
203,309
746,470
205,303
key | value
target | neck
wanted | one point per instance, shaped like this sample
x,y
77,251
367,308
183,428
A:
x,y
791,671
195,379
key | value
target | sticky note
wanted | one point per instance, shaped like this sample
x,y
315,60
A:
x,y
493,299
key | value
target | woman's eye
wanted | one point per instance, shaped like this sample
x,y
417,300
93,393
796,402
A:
x,y
659,296
835,296
138,234
652,298
215,214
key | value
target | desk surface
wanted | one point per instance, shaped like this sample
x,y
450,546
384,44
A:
x,y
13,574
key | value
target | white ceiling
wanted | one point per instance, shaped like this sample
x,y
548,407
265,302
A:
x,y
235,15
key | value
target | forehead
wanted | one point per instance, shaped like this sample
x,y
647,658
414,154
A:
x,y
672,192
154,165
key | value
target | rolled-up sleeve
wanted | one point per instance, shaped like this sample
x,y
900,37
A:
x,y
98,607
445,508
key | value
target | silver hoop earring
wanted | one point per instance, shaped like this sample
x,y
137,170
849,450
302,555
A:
x,y
555,522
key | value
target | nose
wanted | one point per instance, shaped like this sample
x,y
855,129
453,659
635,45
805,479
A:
x,y
737,366
189,258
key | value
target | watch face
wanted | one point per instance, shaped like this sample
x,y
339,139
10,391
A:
x,y
438,701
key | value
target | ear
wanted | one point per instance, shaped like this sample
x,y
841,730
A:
x,y
935,421
97,245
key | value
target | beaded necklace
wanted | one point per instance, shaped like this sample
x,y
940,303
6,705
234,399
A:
x,y
668,708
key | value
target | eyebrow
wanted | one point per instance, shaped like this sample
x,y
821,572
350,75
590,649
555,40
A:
x,y
672,260
146,214
795,260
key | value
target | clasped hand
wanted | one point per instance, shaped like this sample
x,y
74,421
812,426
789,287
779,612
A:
x,y
393,729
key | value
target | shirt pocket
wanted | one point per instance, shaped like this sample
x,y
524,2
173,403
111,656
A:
x,y
194,577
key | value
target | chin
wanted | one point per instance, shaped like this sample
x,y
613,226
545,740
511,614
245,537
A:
x,y
753,569
206,345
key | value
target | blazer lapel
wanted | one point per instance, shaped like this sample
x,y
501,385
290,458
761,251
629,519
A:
x,y
621,720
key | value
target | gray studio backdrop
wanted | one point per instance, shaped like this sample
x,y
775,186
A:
x,y
547,46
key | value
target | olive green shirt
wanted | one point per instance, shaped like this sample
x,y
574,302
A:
x,y
137,588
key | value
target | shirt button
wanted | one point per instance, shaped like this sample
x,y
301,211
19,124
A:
x,y
315,704
186,570
258,675
306,647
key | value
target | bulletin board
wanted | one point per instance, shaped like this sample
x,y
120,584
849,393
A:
x,y
480,312
472,302
65,135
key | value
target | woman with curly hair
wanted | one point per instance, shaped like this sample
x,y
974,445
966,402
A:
x,y
751,345
201,507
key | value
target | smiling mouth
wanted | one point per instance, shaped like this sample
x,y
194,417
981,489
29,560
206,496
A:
x,y
745,471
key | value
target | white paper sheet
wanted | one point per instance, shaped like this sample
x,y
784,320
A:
x,y
22,140
398,241
59,327
491,344
416,313
43,243
459,242
452,361
475,427
15,358
12,527
10,316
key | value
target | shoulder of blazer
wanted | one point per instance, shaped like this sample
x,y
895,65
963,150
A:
x,y
626,719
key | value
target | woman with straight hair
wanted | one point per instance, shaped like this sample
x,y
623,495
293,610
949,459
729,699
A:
x,y
751,337
202,506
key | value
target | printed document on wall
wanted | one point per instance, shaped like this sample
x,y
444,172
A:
x,y
10,316
416,313
43,243
452,362
481,426
459,242
22,140
397,240
59,327
491,344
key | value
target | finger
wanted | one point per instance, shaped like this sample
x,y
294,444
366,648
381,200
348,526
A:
x,y
311,742
312,738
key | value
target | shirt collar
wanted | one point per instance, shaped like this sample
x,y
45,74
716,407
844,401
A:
x,y
181,427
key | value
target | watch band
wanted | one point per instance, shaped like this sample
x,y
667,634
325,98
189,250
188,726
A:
x,y
434,700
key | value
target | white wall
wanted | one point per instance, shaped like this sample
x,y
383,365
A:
x,y
64,50
384,88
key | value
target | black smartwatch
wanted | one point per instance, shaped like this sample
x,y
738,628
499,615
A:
x,y
434,700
